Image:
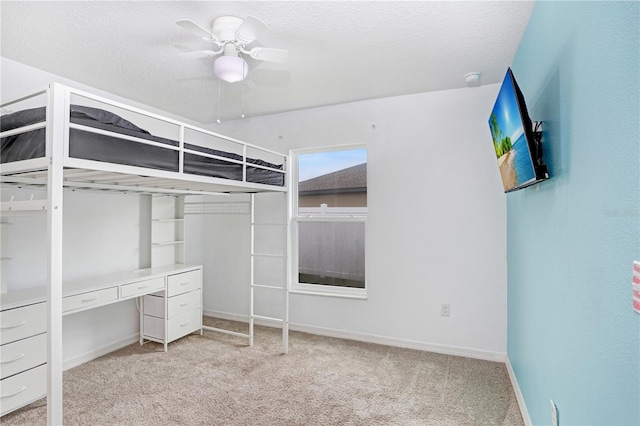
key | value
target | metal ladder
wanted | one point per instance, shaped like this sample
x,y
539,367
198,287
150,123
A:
x,y
283,287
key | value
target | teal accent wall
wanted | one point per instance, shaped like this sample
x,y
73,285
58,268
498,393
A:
x,y
572,334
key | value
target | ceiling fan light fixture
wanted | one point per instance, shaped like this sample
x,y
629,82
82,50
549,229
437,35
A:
x,y
230,68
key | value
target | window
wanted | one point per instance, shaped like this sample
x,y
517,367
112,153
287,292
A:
x,y
329,191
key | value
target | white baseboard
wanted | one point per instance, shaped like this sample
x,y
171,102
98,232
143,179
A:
x,y
401,343
370,338
519,396
97,353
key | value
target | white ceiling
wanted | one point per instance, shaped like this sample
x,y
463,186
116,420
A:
x,y
338,51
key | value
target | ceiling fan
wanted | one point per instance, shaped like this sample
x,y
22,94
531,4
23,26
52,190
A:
x,y
232,35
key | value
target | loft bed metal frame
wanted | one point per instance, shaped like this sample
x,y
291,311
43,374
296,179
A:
x,y
57,170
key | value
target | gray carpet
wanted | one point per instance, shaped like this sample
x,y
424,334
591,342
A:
x,y
217,380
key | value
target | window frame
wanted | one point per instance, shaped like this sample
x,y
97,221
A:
x,y
295,219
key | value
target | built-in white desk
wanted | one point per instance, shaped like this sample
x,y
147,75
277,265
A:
x,y
170,308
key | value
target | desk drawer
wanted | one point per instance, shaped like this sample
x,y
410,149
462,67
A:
x,y
184,324
177,327
184,282
177,305
23,388
20,323
90,299
141,287
184,303
22,355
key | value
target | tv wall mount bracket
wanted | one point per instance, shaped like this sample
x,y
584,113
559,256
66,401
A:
x,y
536,128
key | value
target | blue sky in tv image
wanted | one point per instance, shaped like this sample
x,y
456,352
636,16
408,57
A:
x,y
320,163
510,124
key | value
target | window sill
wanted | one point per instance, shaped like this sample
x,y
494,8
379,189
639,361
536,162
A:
x,y
327,291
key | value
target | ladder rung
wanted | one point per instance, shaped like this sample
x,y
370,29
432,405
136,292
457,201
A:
x,y
167,243
222,330
267,255
267,318
274,287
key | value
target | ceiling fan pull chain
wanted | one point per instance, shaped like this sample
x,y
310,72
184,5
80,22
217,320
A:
x,y
218,120
243,79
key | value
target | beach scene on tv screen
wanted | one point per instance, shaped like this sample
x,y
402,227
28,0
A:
x,y
509,140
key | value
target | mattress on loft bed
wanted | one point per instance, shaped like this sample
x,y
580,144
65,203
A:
x,y
93,146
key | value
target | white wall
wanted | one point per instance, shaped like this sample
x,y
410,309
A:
x,y
437,219
226,261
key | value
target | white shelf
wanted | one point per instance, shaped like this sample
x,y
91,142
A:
x,y
22,206
167,230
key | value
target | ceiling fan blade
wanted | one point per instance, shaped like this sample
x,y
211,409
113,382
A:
x,y
197,29
269,54
250,29
200,54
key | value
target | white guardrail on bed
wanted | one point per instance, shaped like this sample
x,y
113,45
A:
x,y
124,139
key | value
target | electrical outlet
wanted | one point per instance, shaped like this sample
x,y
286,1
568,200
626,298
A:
x,y
445,310
554,413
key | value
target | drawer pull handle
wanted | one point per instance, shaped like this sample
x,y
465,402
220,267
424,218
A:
x,y
185,283
142,287
7,395
182,305
12,359
18,324
185,324
92,299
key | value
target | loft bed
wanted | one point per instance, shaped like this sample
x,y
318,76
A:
x,y
61,137
97,146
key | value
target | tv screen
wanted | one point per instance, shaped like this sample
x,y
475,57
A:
x,y
517,145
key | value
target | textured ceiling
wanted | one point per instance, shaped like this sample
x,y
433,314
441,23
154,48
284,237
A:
x,y
338,51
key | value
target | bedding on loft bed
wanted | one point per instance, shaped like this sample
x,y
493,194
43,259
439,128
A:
x,y
98,147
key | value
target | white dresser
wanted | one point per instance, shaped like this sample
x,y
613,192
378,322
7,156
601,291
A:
x,y
23,350
167,316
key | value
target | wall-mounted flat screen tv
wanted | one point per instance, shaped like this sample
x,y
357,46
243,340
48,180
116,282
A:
x,y
517,144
